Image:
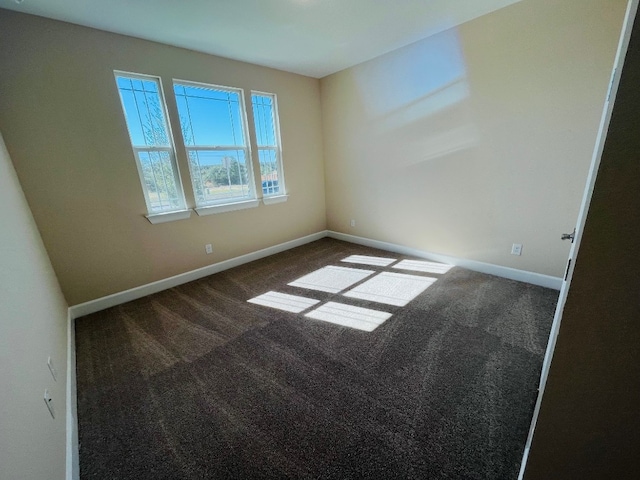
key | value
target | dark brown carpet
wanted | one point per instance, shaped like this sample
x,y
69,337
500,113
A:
x,y
195,383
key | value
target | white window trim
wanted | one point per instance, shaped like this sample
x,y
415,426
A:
x,y
170,149
273,199
278,149
227,207
223,205
156,218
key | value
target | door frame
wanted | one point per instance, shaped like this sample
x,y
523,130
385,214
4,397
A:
x,y
623,44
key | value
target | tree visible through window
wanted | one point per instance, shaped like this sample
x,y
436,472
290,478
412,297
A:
x,y
213,124
145,114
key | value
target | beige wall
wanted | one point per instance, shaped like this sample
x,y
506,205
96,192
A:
x,y
33,317
476,138
460,144
64,128
589,423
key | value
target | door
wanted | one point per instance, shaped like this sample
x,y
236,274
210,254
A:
x,y
623,44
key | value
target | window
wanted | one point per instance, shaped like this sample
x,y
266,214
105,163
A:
x,y
146,116
214,129
265,120
215,132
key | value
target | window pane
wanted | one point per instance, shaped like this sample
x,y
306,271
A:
x,y
219,175
144,112
264,120
213,123
209,116
269,171
160,181
145,115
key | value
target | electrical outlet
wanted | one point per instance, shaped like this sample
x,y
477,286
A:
x,y
516,249
208,248
49,402
353,222
52,369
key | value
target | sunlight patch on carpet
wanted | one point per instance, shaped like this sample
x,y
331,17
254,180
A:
x,y
391,288
283,301
331,279
349,316
420,266
368,260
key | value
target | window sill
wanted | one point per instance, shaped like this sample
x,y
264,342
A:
x,y
226,207
156,218
275,199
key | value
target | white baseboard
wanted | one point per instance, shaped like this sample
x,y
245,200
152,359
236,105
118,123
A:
x,y
164,284
144,290
506,272
73,460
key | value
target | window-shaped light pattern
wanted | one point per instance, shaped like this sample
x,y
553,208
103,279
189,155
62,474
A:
x,y
213,124
265,117
146,117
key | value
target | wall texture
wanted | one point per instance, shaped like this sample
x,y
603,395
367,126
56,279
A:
x,y
64,128
589,422
33,326
476,138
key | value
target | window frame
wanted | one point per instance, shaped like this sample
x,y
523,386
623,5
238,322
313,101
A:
x,y
281,195
154,215
223,204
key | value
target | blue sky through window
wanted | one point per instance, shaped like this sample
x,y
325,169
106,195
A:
x,y
144,112
209,117
263,120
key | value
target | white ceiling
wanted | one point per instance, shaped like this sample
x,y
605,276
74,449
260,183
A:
x,y
310,37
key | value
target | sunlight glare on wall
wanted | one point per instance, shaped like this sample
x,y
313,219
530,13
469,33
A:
x,y
432,68
416,104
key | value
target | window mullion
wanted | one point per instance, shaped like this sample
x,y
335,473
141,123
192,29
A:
x,y
200,179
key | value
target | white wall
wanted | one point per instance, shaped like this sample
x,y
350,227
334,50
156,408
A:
x,y
475,138
33,315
